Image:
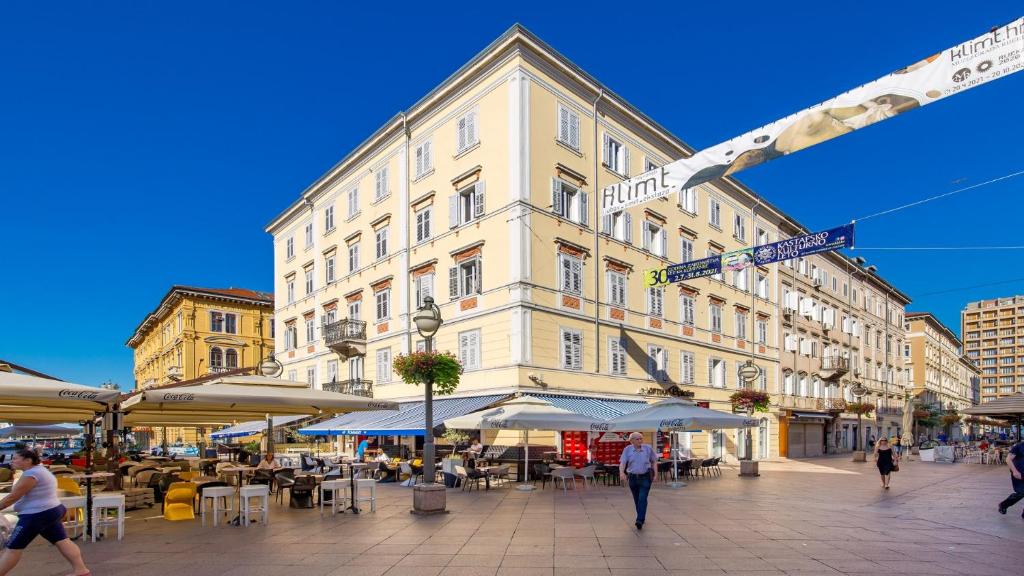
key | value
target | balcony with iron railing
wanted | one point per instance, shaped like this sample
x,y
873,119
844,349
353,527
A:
x,y
356,387
834,367
346,337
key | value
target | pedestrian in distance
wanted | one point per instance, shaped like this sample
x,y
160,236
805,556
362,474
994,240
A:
x,y
40,513
1015,460
886,461
906,442
638,466
895,443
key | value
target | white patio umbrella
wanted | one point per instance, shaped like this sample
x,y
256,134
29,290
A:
x,y
525,413
22,393
675,414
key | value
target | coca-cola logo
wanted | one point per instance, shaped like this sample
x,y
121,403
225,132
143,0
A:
x,y
78,394
179,397
599,427
383,405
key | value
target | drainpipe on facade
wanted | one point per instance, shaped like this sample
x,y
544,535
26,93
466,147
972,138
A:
x,y
597,245
409,299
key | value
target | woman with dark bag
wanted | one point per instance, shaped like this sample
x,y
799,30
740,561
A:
x,y
40,513
886,461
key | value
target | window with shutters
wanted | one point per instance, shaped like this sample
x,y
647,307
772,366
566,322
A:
x,y
380,190
424,160
291,336
381,242
741,325
310,330
469,349
465,279
383,301
216,321
616,355
570,272
715,318
649,165
617,289
290,289
618,225
355,368
685,250
687,363
688,200
309,235
311,376
332,370
466,132
655,301
384,365
309,281
709,254
289,248
762,236
466,205
329,219
424,288
570,202
329,266
353,203
423,216
353,257
716,372
739,228
616,155
568,127
739,279
686,310
657,363
355,309
762,285
572,349
329,317
762,332
655,238
715,213
740,383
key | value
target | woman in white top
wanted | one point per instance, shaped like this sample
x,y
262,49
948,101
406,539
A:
x,y
40,513
268,462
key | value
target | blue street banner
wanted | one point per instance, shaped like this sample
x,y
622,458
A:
x,y
801,246
995,54
685,271
806,245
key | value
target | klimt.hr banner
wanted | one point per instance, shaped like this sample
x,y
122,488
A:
x,y
988,57
798,247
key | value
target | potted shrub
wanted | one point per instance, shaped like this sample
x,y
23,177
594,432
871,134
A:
x,y
861,409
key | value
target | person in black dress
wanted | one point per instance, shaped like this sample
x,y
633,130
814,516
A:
x,y
885,460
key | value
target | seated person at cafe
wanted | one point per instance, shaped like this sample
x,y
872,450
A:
x,y
268,462
475,450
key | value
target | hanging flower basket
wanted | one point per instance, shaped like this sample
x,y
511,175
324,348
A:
x,y
750,400
860,408
920,414
421,367
950,419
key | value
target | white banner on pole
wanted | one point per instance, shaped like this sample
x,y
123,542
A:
x,y
998,53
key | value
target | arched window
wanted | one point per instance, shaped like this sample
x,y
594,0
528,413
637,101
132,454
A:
x,y
231,358
216,358
787,383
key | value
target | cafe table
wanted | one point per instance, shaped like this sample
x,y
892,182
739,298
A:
x,y
241,470
356,468
88,477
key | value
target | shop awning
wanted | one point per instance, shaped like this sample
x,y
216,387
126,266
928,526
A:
x,y
408,421
256,427
811,416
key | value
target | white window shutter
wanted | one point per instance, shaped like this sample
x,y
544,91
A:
x,y
556,196
453,282
584,210
453,210
478,201
664,243
577,275
471,120
606,145
574,130
606,224
625,160
461,128
627,226
577,350
419,291
479,276
645,236
711,372
563,124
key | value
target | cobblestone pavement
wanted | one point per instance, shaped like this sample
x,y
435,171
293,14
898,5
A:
x,y
822,516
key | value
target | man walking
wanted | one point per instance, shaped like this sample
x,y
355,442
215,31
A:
x,y
1015,460
638,466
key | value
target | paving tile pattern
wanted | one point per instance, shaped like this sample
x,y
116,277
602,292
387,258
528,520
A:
x,y
812,517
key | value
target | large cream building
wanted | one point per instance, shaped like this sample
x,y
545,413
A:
x,y
482,195
993,333
939,372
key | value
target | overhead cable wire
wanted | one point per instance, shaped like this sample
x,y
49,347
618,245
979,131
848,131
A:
x,y
919,202
962,288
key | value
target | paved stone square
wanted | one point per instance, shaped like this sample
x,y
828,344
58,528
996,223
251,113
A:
x,y
822,516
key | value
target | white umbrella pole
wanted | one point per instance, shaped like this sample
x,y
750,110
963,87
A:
x,y
675,462
525,486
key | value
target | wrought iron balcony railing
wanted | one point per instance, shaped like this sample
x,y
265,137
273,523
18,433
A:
x,y
355,387
346,337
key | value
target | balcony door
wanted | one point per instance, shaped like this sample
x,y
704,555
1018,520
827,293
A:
x,y
355,368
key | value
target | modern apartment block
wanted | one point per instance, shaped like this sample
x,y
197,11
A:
x,y
481,195
993,335
939,372
841,324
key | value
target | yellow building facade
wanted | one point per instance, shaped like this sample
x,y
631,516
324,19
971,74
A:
x,y
196,332
483,195
939,372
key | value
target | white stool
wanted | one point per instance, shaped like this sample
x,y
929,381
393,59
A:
x,y
100,505
338,489
216,494
260,492
75,505
366,491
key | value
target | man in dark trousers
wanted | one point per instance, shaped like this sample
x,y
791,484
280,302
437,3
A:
x,y
1015,460
638,465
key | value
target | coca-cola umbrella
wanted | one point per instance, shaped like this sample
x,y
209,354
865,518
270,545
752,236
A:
x,y
25,398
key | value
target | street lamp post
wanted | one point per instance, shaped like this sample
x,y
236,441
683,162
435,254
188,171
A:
x,y
858,391
270,368
427,497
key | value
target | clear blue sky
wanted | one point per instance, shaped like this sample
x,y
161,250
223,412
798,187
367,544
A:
x,y
148,143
